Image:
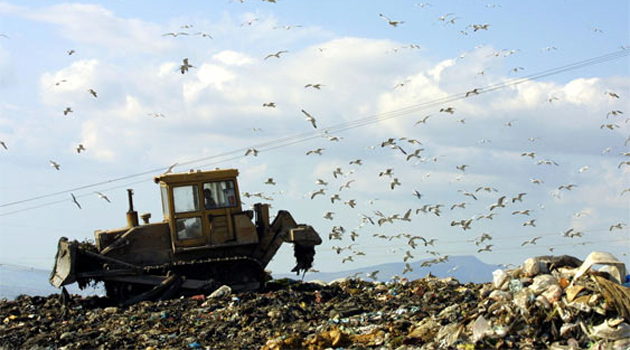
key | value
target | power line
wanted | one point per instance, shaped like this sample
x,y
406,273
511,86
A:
x,y
303,137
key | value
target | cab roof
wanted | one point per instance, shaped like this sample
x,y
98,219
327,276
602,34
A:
x,y
197,175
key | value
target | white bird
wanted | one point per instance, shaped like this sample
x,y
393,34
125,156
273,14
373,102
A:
x,y
531,241
175,35
100,195
537,181
277,54
170,168
334,197
352,203
320,191
321,182
204,35
499,204
389,172
317,151
423,120
185,66
522,212
528,154
531,222
583,169
407,268
485,249
337,172
417,194
74,199
618,226
346,185
519,197
252,151
54,164
466,193
391,22
310,118
372,274
328,215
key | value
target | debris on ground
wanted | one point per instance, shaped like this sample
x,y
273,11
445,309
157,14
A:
x,y
549,302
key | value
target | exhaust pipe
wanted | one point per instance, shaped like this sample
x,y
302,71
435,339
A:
x,y
132,215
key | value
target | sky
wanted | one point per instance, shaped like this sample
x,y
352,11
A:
x,y
521,97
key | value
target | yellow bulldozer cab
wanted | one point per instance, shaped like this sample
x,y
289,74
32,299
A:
x,y
203,208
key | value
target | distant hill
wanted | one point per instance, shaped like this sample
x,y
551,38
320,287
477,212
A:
x,y
466,268
16,280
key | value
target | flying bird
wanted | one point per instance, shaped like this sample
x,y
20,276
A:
x,y
54,164
270,181
80,148
4,145
175,35
251,151
74,199
519,197
391,22
276,55
269,104
531,241
531,222
450,110
67,110
70,52
317,151
204,35
499,204
423,120
185,66
320,191
310,118
100,195
485,249
92,92
393,183
314,86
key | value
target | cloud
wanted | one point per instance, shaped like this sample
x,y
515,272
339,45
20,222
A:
x,y
232,58
96,25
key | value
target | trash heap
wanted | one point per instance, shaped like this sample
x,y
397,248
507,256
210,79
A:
x,y
546,303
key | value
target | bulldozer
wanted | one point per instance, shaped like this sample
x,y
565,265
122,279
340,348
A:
x,y
205,240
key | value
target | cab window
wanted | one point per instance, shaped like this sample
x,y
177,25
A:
x,y
188,228
185,199
219,194
165,208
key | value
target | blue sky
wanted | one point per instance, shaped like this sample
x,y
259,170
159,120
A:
x,y
367,68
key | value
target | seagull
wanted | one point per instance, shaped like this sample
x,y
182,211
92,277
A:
x,y
175,35
462,167
317,151
100,195
531,222
466,193
613,113
423,120
390,22
519,197
611,94
80,148
60,81
170,168
321,182
67,110
474,91
320,191
269,104
310,118
389,172
185,65
417,194
522,212
394,182
486,188
499,203
250,22
450,110
444,17
337,172
351,203
70,52
407,268
54,164
610,126
537,181
348,258
157,115
567,187
356,161
583,169
528,154
92,92
276,55
372,274
346,185
618,225
4,145
74,199
485,249
270,181
251,151
204,35
328,215
531,241
315,86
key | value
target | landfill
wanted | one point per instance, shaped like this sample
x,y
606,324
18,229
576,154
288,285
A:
x,y
549,302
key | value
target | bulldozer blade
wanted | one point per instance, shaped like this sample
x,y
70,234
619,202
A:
x,y
64,271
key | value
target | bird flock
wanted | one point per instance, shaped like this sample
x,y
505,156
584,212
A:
x,y
343,187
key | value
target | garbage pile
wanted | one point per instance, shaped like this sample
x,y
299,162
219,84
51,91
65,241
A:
x,y
549,302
